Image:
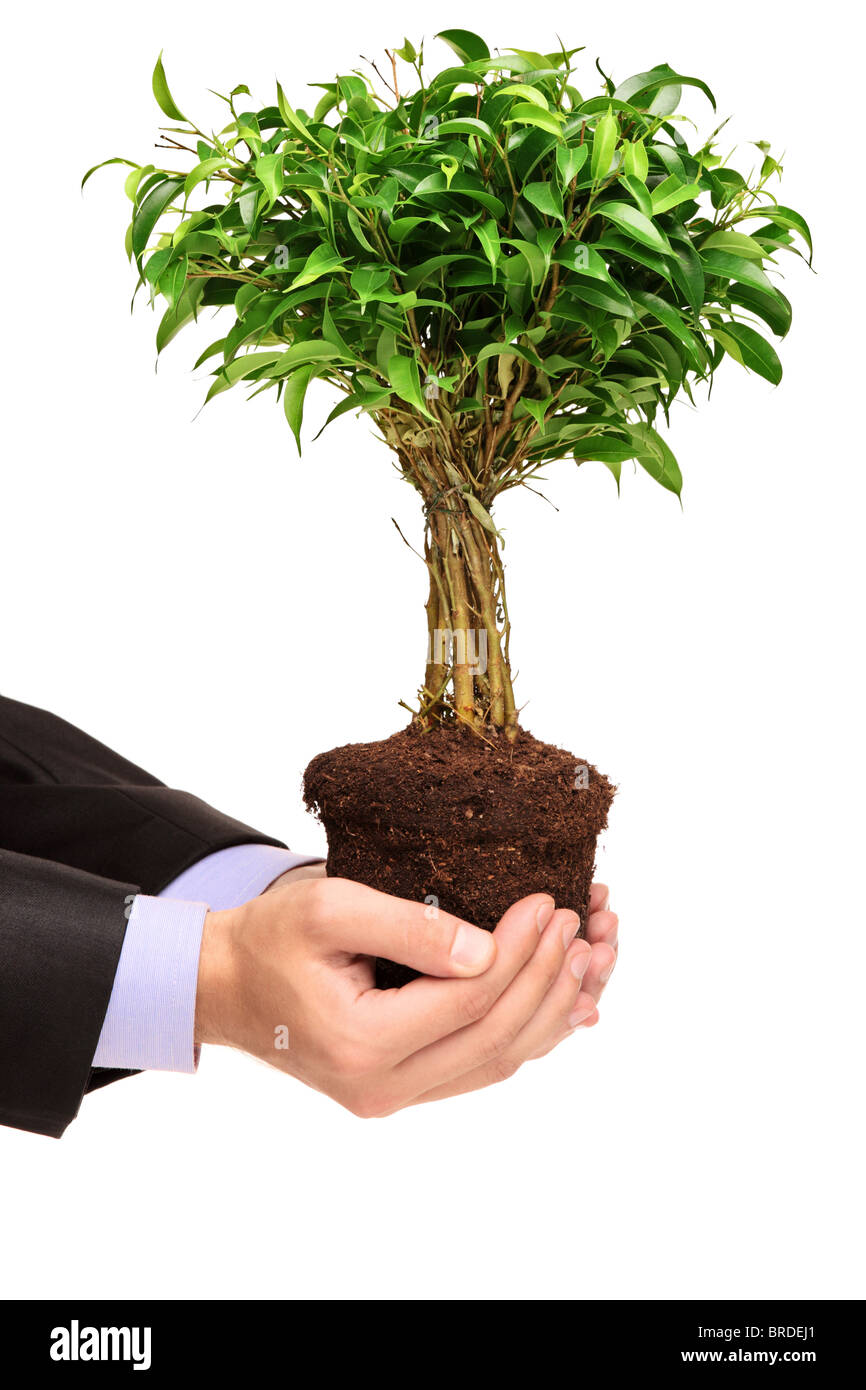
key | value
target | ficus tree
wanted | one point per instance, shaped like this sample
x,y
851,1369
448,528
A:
x,y
498,268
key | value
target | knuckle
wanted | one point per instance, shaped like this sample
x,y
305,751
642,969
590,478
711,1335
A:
x,y
496,1042
317,892
503,1068
474,1003
349,1057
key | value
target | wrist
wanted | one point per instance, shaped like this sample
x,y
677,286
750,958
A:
x,y
216,978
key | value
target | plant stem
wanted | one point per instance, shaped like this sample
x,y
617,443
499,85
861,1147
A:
x,y
467,676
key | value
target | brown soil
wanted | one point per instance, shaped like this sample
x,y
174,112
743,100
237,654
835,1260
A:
x,y
445,817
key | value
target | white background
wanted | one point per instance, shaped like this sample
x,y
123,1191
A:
x,y
195,596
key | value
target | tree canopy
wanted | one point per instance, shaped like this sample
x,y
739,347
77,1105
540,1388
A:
x,y
491,264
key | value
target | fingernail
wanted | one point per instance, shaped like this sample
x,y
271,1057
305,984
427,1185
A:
x,y
544,914
607,972
471,945
580,1015
579,964
570,929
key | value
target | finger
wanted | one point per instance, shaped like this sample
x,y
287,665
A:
x,y
483,1042
565,1006
348,916
582,1007
410,1019
599,897
599,970
603,927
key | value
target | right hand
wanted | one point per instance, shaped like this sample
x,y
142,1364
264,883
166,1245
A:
x,y
289,977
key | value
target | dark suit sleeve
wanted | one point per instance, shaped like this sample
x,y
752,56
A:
x,y
61,931
81,831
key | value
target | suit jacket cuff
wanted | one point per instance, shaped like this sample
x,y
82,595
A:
x,y
61,933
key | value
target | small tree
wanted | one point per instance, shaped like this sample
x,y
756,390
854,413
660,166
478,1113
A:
x,y
497,270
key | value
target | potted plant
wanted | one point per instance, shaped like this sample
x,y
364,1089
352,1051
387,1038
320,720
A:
x,y
500,271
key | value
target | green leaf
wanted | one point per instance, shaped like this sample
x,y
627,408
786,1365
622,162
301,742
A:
x,y
294,391
404,378
669,317
636,223
570,159
466,125
326,104
527,114
526,91
488,234
165,100
747,347
532,255
774,308
358,400
177,316
269,172
648,84
357,231
537,409
598,449
728,267
653,454
156,264
239,370
105,162
496,349
639,191
635,159
173,281
468,47
402,227
735,243
783,217
203,171
688,273
367,281
148,214
292,119
583,260
602,297
546,197
671,192
603,145
322,261
299,354
213,350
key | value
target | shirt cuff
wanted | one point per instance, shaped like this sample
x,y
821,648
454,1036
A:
x,y
150,1021
232,876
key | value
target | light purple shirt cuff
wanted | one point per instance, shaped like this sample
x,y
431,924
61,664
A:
x,y
150,1021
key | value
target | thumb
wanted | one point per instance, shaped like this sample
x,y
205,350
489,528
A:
x,y
414,934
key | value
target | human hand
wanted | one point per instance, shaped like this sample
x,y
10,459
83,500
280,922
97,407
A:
x,y
289,978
